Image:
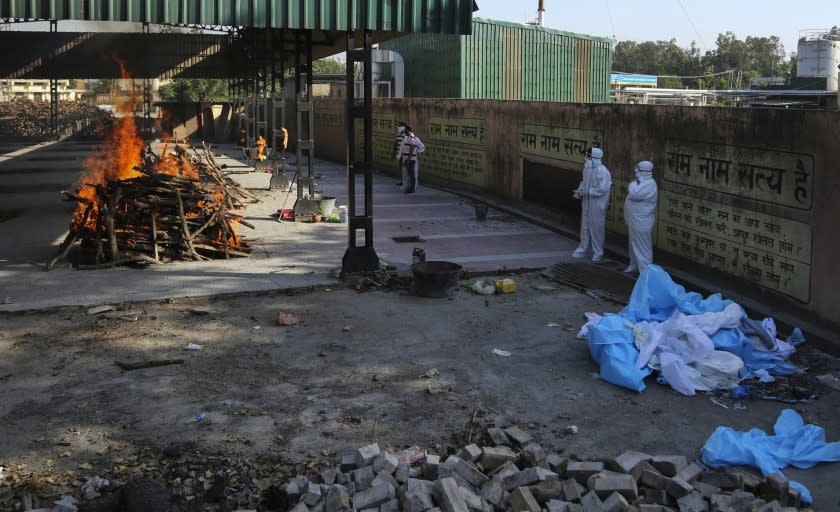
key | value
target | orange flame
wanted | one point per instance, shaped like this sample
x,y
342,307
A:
x,y
118,162
115,163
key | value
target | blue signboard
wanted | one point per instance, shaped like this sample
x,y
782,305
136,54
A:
x,y
635,80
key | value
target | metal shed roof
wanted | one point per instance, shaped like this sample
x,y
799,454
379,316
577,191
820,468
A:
x,y
264,27
441,16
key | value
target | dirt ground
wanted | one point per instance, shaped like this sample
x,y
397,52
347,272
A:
x,y
267,400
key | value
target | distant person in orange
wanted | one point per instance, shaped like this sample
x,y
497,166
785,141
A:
x,y
260,148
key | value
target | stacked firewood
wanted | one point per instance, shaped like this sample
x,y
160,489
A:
x,y
157,218
26,118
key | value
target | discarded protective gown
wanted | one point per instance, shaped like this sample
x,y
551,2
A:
x,y
794,443
640,216
622,344
684,353
594,193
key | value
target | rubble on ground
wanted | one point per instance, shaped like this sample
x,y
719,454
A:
x,y
504,470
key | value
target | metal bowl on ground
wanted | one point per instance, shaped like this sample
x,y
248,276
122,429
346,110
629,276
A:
x,y
437,279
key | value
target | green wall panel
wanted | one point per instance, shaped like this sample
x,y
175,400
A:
x,y
507,61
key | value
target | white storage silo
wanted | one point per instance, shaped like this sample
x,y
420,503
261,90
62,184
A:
x,y
819,56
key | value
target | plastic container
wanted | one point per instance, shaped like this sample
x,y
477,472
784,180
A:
x,y
287,214
342,214
506,285
325,204
438,279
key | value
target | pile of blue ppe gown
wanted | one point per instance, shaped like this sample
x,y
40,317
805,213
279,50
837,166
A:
x,y
697,343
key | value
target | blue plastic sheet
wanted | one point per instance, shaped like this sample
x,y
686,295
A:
x,y
612,346
795,444
655,298
734,341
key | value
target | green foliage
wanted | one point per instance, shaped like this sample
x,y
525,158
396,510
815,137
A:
x,y
752,57
327,66
670,82
184,90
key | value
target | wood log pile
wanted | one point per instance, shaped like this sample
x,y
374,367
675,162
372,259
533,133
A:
x,y
26,118
156,218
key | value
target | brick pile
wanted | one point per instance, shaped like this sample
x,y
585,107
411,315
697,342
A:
x,y
514,474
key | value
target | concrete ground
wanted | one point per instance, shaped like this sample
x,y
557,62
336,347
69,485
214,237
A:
x,y
286,255
356,369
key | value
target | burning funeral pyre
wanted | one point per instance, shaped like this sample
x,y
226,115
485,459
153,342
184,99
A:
x,y
136,206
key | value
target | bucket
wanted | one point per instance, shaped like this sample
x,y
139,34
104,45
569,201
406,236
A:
x,y
342,214
325,205
437,279
480,211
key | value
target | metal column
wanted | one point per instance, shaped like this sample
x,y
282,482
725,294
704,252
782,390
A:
x,y
146,129
53,87
279,180
306,205
359,259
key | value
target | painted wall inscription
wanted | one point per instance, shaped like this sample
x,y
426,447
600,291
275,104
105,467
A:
x,y
771,251
383,123
383,151
776,177
462,130
453,163
557,143
329,119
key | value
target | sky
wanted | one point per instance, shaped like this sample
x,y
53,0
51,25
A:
x,y
684,20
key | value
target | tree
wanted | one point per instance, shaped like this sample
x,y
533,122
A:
x,y
327,66
183,90
661,58
732,58
792,66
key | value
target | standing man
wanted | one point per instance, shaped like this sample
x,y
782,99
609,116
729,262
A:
x,y
594,194
408,158
640,216
398,142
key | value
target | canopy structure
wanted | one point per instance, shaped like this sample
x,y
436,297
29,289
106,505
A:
x,y
249,42
249,34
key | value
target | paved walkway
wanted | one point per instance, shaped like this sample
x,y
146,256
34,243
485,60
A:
x,y
33,222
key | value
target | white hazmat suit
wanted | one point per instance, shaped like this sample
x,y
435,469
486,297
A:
x,y
594,193
640,216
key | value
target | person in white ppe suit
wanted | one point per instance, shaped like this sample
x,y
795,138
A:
x,y
594,194
640,216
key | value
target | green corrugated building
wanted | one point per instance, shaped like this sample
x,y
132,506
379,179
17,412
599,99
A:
x,y
507,61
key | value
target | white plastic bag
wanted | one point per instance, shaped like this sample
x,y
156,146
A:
x,y
681,335
720,370
482,287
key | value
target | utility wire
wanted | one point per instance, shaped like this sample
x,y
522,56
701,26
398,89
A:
x,y
609,13
682,6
